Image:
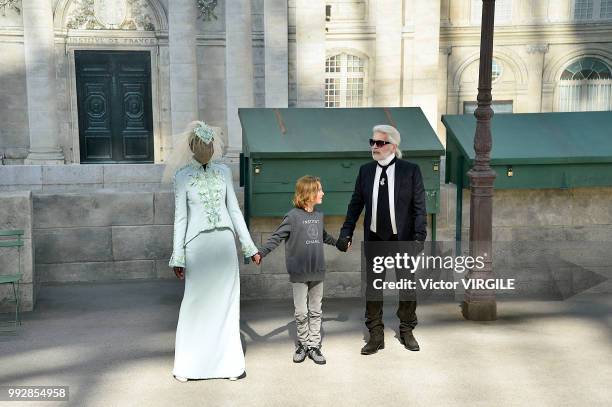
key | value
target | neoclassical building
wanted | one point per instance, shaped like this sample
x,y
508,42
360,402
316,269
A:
x,y
110,81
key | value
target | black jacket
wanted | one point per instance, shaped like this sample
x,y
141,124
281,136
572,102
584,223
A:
x,y
410,213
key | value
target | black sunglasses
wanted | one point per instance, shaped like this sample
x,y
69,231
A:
x,y
379,143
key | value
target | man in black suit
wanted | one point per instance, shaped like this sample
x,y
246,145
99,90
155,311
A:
x,y
392,192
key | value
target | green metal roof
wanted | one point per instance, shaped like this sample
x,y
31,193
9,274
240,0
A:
x,y
325,132
539,138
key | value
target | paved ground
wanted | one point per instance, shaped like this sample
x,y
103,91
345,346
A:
x,y
113,345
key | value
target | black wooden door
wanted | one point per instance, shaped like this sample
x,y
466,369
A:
x,y
114,106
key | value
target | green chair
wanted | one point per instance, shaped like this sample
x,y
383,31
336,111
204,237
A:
x,y
12,239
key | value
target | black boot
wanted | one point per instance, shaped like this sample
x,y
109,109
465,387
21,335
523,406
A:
x,y
409,341
376,342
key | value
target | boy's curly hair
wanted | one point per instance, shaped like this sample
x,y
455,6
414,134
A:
x,y
306,189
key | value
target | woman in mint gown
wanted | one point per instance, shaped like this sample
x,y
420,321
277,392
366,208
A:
x,y
207,219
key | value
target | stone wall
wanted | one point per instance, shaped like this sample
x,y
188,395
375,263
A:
x,y
114,222
108,235
555,242
102,235
535,214
270,279
16,213
77,178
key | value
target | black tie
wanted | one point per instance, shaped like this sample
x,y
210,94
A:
x,y
384,229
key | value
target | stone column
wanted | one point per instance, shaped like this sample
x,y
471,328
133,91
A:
x,y
537,53
445,13
425,61
182,31
276,53
238,68
560,11
39,49
388,53
538,12
460,13
310,52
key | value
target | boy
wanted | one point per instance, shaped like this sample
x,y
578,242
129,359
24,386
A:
x,y
304,236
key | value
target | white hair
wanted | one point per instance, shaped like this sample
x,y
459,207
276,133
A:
x,y
392,133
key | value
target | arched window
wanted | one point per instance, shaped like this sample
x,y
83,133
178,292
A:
x,y
496,70
344,81
587,68
586,85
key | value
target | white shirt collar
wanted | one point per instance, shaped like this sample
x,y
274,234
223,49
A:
x,y
386,161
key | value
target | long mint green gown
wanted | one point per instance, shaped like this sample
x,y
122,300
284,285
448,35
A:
x,y
207,217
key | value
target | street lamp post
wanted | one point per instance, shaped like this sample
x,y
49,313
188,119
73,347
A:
x,y
479,304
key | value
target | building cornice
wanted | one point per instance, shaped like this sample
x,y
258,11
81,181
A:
x,y
524,34
12,34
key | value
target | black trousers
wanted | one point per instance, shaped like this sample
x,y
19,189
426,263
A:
x,y
406,309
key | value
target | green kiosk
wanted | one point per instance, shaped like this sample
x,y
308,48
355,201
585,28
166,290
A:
x,y
534,150
281,145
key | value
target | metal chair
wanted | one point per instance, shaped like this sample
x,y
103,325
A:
x,y
12,239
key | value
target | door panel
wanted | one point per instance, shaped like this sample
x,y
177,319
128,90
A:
x,y
114,103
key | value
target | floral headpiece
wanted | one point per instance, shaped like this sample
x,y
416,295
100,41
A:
x,y
204,132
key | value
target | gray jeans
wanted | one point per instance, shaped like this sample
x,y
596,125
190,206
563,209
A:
x,y
307,300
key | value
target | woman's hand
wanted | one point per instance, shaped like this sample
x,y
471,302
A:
x,y
179,272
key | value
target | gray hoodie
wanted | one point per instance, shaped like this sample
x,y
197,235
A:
x,y
304,236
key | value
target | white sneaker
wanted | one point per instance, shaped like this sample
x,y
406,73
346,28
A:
x,y
181,379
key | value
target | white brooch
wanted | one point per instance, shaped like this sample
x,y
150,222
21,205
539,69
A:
x,y
382,182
